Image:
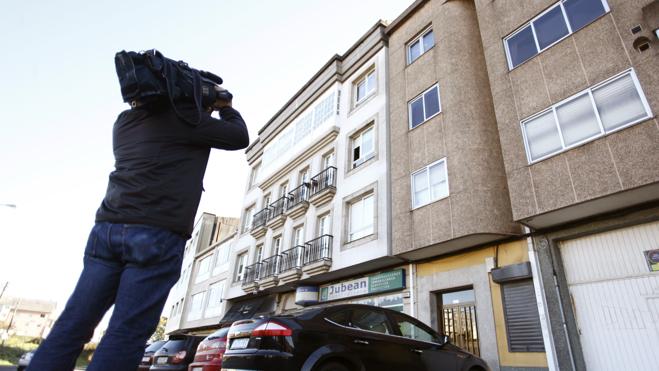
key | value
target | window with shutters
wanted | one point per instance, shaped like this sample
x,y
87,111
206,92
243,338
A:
x,y
521,316
602,109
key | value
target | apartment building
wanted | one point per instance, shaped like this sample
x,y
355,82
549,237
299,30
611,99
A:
x,y
575,89
315,219
196,298
451,212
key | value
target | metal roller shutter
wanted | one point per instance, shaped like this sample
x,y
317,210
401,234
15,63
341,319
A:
x,y
522,319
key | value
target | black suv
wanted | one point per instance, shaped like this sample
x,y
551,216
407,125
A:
x,y
176,354
348,337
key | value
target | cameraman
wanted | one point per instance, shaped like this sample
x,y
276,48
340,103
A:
x,y
135,250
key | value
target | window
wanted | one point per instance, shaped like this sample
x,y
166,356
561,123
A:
x,y
365,86
424,107
551,26
328,160
341,317
607,107
521,316
254,175
371,320
413,330
361,217
304,176
429,184
283,189
258,255
241,260
204,269
363,146
215,292
196,306
324,225
276,245
248,217
298,236
456,312
266,201
222,258
420,45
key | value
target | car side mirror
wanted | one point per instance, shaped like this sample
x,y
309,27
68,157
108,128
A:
x,y
445,339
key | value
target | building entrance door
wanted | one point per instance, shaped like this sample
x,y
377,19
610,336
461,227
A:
x,y
457,318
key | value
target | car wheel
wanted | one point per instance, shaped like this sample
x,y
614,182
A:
x,y
333,366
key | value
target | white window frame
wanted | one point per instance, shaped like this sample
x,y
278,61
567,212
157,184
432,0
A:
x,y
248,219
364,80
258,253
294,241
254,175
276,245
350,206
222,258
319,224
419,39
603,131
204,263
535,37
426,169
418,97
241,258
358,137
196,313
213,306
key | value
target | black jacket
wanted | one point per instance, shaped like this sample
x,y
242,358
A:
x,y
160,161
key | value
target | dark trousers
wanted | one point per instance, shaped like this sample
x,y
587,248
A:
x,y
131,266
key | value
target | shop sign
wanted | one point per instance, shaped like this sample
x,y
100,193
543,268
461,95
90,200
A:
x,y
652,258
381,282
306,295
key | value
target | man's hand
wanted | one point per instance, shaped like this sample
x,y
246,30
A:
x,y
221,103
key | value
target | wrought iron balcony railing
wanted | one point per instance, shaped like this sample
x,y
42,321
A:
x,y
326,179
318,249
298,195
251,273
277,208
260,218
291,258
269,267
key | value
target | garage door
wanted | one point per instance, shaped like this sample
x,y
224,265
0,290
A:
x,y
616,297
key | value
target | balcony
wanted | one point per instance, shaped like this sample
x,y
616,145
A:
x,y
298,201
251,276
258,224
290,266
323,186
317,257
277,215
268,272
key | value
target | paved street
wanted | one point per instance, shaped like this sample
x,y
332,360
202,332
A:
x,y
7,368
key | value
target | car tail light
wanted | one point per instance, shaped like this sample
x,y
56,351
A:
x,y
271,329
179,357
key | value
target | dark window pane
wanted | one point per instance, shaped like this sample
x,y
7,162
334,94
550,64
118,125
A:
x,y
370,320
582,12
432,102
521,46
415,51
341,317
550,27
428,41
417,112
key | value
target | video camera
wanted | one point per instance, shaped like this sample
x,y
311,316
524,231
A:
x,y
149,76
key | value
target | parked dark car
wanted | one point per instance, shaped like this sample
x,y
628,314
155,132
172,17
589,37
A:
x,y
147,358
349,337
176,354
210,351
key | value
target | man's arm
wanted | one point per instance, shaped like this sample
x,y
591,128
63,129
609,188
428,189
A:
x,y
229,132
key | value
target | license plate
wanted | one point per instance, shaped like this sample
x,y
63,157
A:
x,y
197,368
162,360
146,359
239,343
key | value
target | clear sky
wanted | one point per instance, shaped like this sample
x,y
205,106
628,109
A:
x,y
59,97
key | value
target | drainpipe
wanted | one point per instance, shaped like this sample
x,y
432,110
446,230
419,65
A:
x,y
552,361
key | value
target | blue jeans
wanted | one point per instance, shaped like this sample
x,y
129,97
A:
x,y
131,266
